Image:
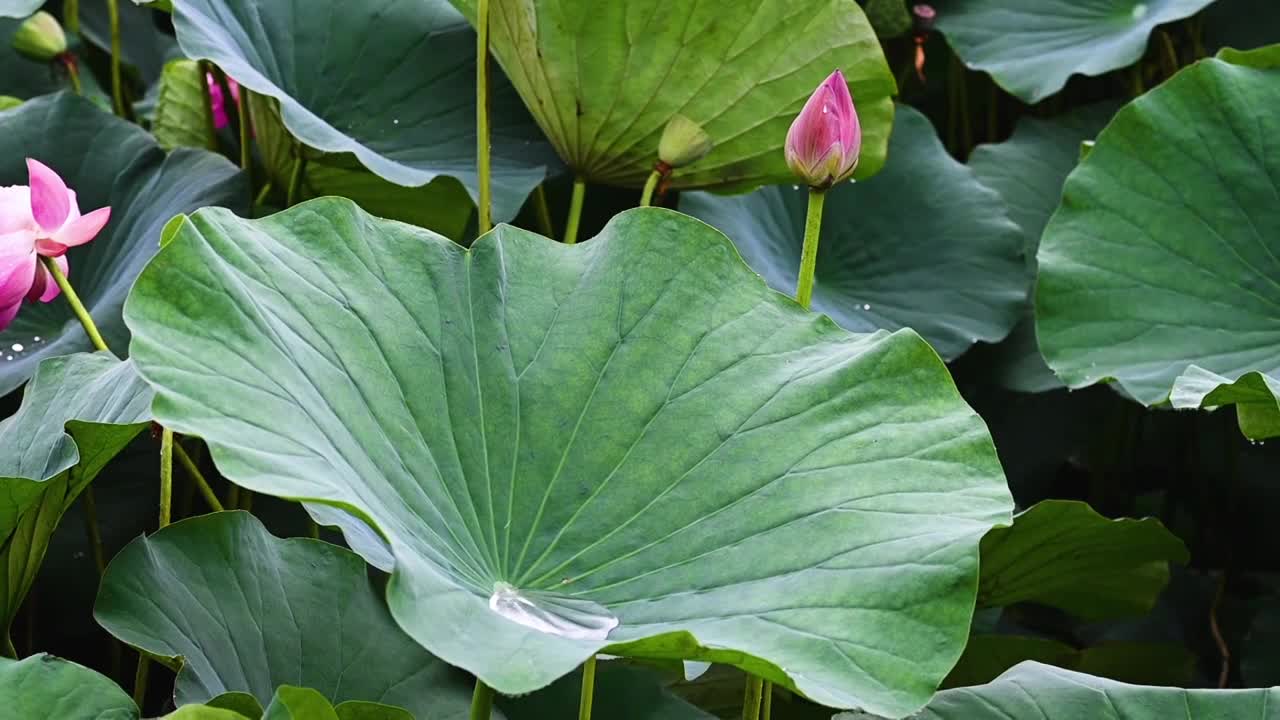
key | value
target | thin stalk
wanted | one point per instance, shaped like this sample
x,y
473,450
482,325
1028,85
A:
x,y
575,211
264,193
646,196
71,16
246,136
588,688
8,650
73,71
246,500
809,254
1170,53
91,529
482,701
166,477
295,179
140,680
766,704
1138,86
233,496
117,84
482,114
751,704
210,129
77,307
543,211
193,470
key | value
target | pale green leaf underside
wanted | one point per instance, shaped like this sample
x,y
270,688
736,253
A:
x,y
627,430
921,245
250,612
107,161
1256,397
1031,47
392,81
183,116
19,8
77,413
603,79
1165,252
1063,553
43,686
1032,690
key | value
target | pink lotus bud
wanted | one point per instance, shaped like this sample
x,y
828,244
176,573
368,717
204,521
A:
x,y
825,139
41,218
218,103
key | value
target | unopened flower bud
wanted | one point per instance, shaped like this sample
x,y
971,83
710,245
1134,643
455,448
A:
x,y
40,37
924,16
683,142
825,139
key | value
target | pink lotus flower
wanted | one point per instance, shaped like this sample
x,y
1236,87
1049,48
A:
x,y
218,103
825,139
41,218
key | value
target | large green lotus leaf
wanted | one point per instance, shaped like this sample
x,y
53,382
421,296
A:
x,y
43,686
1162,260
77,413
1033,690
301,703
988,656
604,78
1062,553
1032,47
442,205
1028,171
392,81
621,692
921,245
249,612
107,161
629,445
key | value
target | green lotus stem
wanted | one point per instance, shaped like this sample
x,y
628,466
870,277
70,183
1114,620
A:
x,y
1170,52
1139,86
71,15
751,704
264,193
77,307
233,496
166,477
575,211
543,211
766,703
246,136
482,114
205,68
91,529
246,500
73,72
117,85
140,680
646,196
588,688
809,254
7,649
295,179
482,701
201,483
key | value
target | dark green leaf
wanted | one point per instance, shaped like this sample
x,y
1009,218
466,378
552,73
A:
x,y
701,463
921,245
988,656
250,612
43,686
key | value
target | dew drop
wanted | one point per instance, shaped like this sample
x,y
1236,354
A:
x,y
8,357
1139,11
866,307
552,613
17,347
395,122
35,339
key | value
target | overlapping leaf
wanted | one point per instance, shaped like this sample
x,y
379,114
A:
x,y
43,686
1032,47
921,245
630,444
1162,267
391,81
604,78
107,161
249,612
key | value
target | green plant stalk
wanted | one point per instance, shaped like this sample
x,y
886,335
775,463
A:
x,y
543,211
246,137
201,483
588,688
264,193
646,196
295,179
483,161
117,84
766,703
8,650
73,71
233,496
77,307
482,701
91,529
246,500
809,254
575,211
166,477
71,15
1170,53
751,703
140,681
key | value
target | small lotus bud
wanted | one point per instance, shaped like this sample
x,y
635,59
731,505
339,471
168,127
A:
x,y
825,138
683,142
40,38
925,16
